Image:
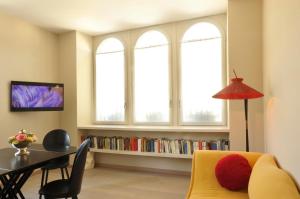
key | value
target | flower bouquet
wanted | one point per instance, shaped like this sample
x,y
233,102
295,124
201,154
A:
x,y
21,141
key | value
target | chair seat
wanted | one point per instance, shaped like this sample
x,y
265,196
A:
x,y
56,189
57,163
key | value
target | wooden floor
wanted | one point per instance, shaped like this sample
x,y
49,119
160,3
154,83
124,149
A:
x,y
104,183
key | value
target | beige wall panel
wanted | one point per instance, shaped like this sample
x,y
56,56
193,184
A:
x,y
67,74
84,57
27,53
244,55
281,81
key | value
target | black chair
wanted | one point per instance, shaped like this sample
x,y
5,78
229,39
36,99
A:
x,y
66,188
56,140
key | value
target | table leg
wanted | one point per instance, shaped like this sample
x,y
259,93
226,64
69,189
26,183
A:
x,y
12,185
21,182
8,184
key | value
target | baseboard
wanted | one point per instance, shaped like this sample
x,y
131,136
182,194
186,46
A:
x,y
144,169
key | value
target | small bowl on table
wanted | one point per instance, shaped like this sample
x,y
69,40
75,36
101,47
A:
x,y
22,148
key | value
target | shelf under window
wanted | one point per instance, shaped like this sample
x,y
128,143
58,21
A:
x,y
205,129
137,153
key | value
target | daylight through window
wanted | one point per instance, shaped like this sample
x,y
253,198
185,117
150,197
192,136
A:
x,y
166,76
110,81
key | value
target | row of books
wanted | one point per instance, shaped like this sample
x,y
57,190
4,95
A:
x,y
157,145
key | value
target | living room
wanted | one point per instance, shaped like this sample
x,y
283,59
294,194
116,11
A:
x,y
64,42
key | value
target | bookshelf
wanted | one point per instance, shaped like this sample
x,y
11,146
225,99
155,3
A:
x,y
151,132
144,159
150,154
151,160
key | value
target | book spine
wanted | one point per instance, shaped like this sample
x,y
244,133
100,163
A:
x,y
156,145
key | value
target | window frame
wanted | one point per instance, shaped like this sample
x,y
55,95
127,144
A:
x,y
181,30
135,35
122,38
173,32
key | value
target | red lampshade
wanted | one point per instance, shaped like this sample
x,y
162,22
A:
x,y
238,90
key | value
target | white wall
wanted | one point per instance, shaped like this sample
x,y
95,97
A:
x,y
84,78
27,53
245,56
75,61
281,34
67,75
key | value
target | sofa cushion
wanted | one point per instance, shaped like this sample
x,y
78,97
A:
x,y
267,181
233,172
219,194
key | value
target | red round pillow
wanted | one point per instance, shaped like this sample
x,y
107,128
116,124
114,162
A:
x,y
233,172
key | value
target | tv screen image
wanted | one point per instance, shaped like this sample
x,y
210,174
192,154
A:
x,y
32,96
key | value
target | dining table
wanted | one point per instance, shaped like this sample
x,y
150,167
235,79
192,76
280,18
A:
x,y
16,170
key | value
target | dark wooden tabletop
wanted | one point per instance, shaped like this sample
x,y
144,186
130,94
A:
x,y
38,157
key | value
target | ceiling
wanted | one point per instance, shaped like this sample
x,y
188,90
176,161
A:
x,y
104,16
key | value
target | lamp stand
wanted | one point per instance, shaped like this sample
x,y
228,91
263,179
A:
x,y
246,120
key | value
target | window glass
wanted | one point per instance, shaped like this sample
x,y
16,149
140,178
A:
x,y
201,75
151,78
110,81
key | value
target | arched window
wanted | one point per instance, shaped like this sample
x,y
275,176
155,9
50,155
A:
x,y
151,78
110,81
201,75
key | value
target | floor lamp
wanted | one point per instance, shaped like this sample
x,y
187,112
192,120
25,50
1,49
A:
x,y
237,90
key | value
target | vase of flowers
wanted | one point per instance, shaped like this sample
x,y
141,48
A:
x,y
21,141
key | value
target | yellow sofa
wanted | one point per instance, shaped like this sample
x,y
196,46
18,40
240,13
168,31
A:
x,y
267,181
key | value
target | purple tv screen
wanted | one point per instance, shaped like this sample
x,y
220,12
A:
x,y
32,96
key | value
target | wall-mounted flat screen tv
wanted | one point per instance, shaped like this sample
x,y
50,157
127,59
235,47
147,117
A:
x,y
34,96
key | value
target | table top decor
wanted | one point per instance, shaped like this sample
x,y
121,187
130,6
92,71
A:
x,y
21,141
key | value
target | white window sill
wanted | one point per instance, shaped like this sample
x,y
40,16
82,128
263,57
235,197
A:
x,y
204,129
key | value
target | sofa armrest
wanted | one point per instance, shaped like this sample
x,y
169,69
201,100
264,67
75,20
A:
x,y
203,169
269,181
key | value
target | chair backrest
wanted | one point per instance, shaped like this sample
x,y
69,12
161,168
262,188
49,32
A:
x,y
56,140
78,167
